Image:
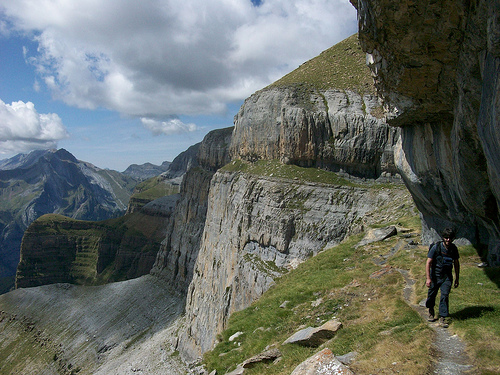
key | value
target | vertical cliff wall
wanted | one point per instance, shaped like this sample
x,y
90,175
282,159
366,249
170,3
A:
x,y
179,250
333,129
259,226
436,66
57,249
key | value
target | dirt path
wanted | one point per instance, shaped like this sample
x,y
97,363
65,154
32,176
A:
x,y
449,351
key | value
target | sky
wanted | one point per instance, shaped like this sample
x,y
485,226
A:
x,y
120,82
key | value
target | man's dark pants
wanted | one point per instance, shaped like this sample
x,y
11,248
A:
x,y
443,284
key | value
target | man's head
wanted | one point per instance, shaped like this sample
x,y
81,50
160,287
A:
x,y
448,235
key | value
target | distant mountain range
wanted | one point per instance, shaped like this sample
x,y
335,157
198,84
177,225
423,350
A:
x,y
54,181
147,170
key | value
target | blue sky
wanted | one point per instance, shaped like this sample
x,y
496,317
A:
x,y
118,82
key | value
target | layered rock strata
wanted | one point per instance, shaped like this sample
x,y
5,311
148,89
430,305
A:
x,y
53,181
332,129
256,228
56,249
436,66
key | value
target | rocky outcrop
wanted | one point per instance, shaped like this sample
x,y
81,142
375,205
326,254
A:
x,y
56,249
214,149
336,126
338,132
436,66
323,362
315,336
183,162
256,228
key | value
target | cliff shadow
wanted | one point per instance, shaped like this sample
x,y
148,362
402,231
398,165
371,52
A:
x,y
472,312
493,274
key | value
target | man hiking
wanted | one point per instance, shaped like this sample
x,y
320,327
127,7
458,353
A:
x,y
441,259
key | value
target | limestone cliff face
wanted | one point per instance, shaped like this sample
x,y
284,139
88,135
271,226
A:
x,y
214,149
56,249
256,228
437,67
179,249
333,129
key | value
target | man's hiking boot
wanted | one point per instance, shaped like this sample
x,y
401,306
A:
x,y
443,323
431,315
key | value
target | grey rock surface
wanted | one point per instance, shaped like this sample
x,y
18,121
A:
x,y
379,234
314,336
179,249
321,363
444,94
256,227
109,329
266,356
333,129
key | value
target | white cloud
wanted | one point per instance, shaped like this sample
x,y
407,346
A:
x,y
22,128
172,57
172,126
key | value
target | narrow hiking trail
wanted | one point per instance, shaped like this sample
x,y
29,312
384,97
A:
x,y
449,351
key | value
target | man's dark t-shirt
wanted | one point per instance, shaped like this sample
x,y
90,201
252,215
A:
x,y
442,259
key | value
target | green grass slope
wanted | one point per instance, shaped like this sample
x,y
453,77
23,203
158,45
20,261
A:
x,y
345,282
341,67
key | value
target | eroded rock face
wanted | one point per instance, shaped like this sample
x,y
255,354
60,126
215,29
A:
x,y
56,249
332,129
256,227
179,249
437,66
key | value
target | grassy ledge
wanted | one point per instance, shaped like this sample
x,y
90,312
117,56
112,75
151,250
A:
x,y
154,188
388,335
276,169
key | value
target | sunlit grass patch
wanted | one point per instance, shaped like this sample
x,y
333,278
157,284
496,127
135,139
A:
x,y
153,188
336,283
276,169
341,67
475,310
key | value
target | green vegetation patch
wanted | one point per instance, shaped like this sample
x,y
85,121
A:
x,y
274,168
21,347
90,257
15,195
154,188
388,335
377,323
341,67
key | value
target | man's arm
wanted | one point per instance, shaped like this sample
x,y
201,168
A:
x,y
456,265
428,272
